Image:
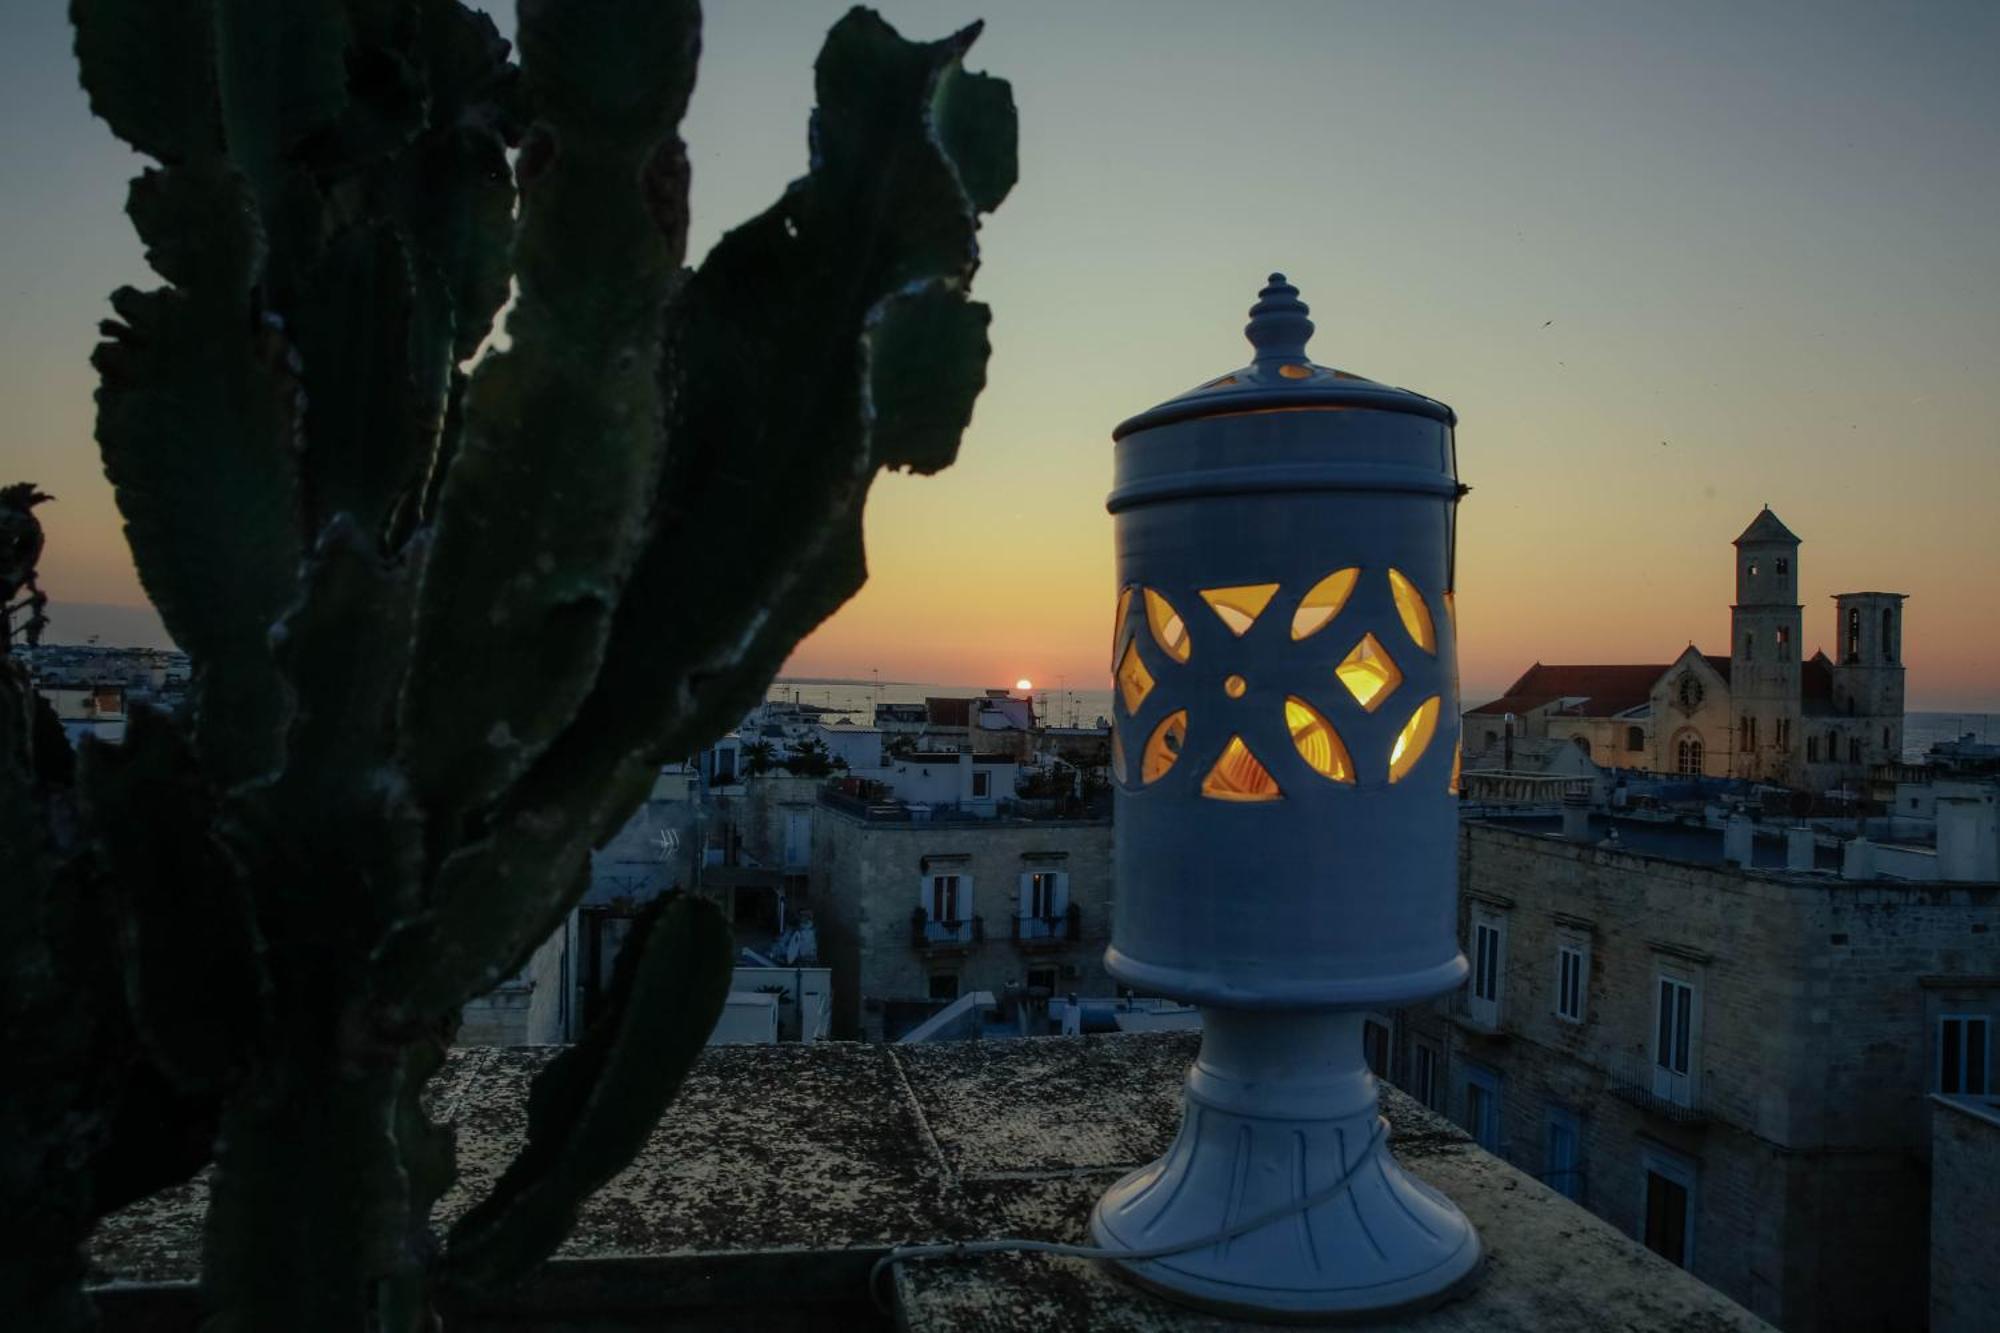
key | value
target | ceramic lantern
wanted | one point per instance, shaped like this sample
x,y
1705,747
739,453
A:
x,y
1285,749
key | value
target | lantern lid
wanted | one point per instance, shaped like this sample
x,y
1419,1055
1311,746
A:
x,y
1281,377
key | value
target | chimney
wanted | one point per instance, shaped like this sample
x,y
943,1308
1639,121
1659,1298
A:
x,y
1799,846
1576,817
1737,840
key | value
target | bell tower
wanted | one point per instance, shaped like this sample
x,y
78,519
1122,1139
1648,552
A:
x,y
1868,674
1764,628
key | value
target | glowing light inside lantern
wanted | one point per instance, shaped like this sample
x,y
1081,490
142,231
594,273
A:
x,y
1134,681
1415,735
1164,746
1239,607
1318,744
1322,602
1369,673
1169,630
1416,615
1237,776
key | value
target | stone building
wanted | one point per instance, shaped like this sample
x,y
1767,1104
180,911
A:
x,y
1965,1214
912,913
1763,711
1730,1064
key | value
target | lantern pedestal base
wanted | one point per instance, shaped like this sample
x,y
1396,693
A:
x,y
1278,1107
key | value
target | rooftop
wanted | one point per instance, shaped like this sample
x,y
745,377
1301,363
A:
x,y
1690,842
1603,690
1766,528
893,812
782,1172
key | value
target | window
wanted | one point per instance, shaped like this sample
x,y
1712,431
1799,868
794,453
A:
x,y
1784,641
1853,749
1812,749
1674,1040
1753,569
1784,730
1041,981
1687,753
1783,567
1044,895
944,901
1488,937
1854,634
1885,740
1562,1140
1635,738
1423,1074
1888,628
1572,975
944,986
1375,1047
982,785
1667,1213
1582,744
1749,646
1963,1060
1482,1106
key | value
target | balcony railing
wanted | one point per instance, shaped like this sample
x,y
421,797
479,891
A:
x,y
926,933
1638,1081
1031,931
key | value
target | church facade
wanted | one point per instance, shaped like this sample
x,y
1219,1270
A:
x,y
1761,712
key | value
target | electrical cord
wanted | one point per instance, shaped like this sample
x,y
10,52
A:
x,y
1018,1245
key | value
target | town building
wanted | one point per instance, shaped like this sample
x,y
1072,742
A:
x,y
1762,712
1965,1214
556,994
915,909
1725,1057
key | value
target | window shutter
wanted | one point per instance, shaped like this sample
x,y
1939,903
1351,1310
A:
x,y
1061,901
965,897
1024,906
924,893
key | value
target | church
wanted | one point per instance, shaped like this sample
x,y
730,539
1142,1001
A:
x,y
1760,712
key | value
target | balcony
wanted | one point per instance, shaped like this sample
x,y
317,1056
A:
x,y
1034,933
1637,1081
946,936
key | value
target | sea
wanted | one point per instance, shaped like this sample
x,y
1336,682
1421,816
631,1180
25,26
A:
x,y
856,700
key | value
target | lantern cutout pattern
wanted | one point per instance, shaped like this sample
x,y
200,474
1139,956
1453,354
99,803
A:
x,y
1286,762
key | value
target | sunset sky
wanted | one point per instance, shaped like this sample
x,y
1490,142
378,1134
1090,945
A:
x,y
1669,262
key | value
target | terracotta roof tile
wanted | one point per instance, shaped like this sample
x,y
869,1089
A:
x,y
1604,690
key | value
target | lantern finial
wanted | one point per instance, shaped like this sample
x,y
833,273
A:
x,y
1278,326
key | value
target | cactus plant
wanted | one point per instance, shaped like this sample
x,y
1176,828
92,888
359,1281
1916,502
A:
x,y
446,616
